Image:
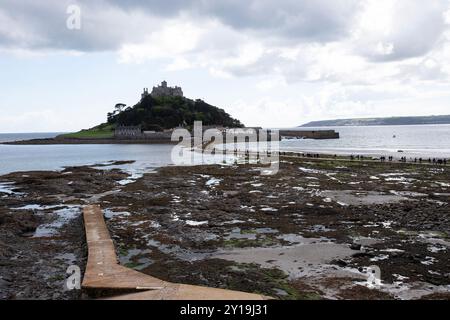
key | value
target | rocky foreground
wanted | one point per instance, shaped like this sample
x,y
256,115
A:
x,y
309,232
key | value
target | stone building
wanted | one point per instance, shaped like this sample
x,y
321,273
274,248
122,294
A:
x,y
164,90
136,133
128,132
145,93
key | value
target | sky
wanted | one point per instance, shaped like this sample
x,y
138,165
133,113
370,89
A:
x,y
65,64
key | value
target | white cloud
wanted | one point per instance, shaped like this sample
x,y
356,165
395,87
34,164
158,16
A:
x,y
400,29
329,58
172,40
302,40
178,64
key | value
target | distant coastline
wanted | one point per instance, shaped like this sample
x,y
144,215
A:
x,y
391,121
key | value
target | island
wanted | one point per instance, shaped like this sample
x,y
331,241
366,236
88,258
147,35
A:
x,y
151,120
154,118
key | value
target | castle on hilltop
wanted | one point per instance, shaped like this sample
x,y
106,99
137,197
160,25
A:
x,y
163,90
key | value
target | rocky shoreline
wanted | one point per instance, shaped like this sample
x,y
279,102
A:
x,y
309,232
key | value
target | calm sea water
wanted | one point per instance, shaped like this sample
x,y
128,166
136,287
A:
x,y
14,158
415,141
54,157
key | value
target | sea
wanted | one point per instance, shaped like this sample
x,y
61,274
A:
x,y
426,141
408,141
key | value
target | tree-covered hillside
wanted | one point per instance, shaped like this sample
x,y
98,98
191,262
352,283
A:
x,y
158,113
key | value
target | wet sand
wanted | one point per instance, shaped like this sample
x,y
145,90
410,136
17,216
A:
x,y
308,232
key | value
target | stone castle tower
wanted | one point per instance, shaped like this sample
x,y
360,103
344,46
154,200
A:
x,y
164,90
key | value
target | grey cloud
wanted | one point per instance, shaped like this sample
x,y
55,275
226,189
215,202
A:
x,y
316,20
155,7
107,24
273,63
28,24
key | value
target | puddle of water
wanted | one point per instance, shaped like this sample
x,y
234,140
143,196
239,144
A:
x,y
366,241
143,263
237,233
393,250
195,223
38,207
428,261
320,228
300,260
292,238
411,290
431,237
155,224
442,184
138,264
396,174
269,209
400,179
280,292
351,197
234,221
213,182
331,177
381,257
312,171
134,173
266,231
6,188
63,216
387,224
256,185
176,199
436,248
441,194
132,178
313,185
109,214
299,239
178,252
408,194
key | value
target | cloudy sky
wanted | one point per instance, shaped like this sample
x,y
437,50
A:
x,y
269,63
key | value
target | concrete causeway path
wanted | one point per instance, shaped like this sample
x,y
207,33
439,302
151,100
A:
x,y
104,273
